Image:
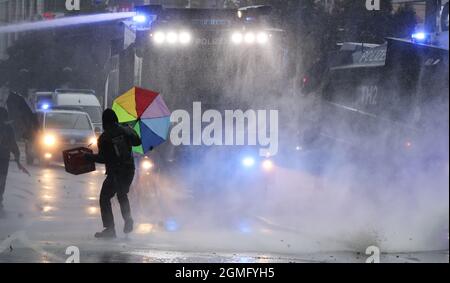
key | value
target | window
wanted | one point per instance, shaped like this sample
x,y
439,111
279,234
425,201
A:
x,y
67,121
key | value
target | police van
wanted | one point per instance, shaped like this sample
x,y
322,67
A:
x,y
227,59
80,100
392,96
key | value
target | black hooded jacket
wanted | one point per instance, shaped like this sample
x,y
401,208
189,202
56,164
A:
x,y
115,145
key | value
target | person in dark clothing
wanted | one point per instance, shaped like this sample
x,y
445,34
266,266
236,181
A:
x,y
115,151
8,145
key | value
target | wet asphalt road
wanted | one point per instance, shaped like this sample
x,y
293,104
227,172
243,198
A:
x,y
51,211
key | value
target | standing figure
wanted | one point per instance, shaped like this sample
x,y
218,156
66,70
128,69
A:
x,y
115,151
8,145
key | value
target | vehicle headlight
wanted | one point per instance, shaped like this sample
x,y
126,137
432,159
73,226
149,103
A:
x,y
237,38
93,141
172,37
262,38
159,37
147,164
185,37
267,165
249,37
49,140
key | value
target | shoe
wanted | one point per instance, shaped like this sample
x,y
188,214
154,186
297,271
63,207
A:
x,y
128,228
108,233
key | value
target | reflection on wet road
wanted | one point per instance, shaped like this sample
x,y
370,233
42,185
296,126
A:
x,y
52,210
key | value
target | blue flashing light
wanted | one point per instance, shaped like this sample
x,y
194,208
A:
x,y
141,19
45,106
244,227
171,225
248,162
419,36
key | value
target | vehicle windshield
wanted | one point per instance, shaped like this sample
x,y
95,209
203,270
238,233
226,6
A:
x,y
67,121
94,112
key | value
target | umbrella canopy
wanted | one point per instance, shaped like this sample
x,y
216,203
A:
x,y
146,112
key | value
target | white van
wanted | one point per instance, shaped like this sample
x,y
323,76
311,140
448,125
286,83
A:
x,y
81,100
59,130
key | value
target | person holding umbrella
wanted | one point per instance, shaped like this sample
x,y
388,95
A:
x,y
138,122
8,145
115,151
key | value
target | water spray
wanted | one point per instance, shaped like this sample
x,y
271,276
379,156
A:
x,y
63,22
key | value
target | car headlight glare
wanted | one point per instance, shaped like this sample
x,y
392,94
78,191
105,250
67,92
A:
x,y
237,38
93,141
159,37
172,37
185,37
249,38
267,165
262,38
49,140
147,164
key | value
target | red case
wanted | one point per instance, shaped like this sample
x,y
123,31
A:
x,y
75,163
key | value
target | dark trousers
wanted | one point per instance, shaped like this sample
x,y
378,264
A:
x,y
116,183
4,166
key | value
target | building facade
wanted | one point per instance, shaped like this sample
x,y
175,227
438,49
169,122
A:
x,y
14,11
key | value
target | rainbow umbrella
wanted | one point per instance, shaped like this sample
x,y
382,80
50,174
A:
x,y
146,112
